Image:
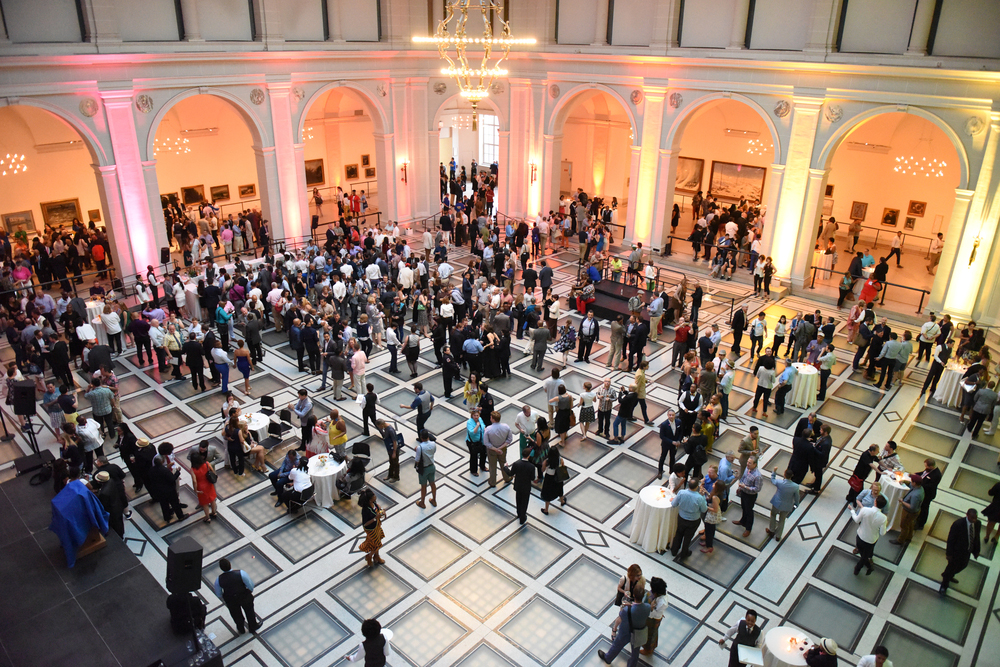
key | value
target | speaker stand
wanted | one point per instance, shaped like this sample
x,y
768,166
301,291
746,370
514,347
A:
x,y
29,429
7,435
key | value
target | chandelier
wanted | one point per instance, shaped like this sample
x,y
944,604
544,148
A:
x,y
12,164
453,42
173,146
920,166
759,146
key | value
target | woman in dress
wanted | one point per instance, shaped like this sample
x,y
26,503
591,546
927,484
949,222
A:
x,y
552,486
371,521
586,409
992,514
472,393
411,349
712,518
205,488
564,410
233,437
566,342
112,322
252,450
376,319
539,445
243,363
657,599
491,352
423,320
780,330
854,319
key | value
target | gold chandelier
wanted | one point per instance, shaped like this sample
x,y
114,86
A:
x,y
13,164
453,42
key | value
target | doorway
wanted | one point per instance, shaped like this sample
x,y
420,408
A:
x,y
566,178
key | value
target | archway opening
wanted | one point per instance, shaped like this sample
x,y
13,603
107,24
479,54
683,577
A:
x,y
723,151
35,145
893,173
338,134
468,147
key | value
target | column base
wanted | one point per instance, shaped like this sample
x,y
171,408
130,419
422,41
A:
x,y
916,53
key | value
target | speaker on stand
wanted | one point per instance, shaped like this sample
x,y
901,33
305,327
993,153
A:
x,y
165,259
23,401
184,566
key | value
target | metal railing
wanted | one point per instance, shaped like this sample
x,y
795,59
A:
x,y
885,286
891,231
701,253
237,207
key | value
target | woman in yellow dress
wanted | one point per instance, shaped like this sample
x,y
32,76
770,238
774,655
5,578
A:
x,y
371,521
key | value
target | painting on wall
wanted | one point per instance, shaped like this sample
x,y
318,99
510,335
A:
x,y
169,198
61,213
366,160
689,173
314,172
220,192
249,190
369,172
916,208
859,210
733,181
829,190
193,194
890,217
94,215
22,221
351,172
910,223
827,207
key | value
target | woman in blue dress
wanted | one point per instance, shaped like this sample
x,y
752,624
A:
x,y
243,363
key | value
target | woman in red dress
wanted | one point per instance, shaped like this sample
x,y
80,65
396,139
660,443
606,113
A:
x,y
203,486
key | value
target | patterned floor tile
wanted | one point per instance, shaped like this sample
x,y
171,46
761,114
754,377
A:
x,y
481,589
211,536
940,614
479,519
425,632
629,472
584,452
725,565
428,552
824,615
596,500
303,536
142,404
917,647
163,423
837,569
230,483
973,483
258,510
587,584
305,635
541,630
370,592
940,419
250,560
843,412
531,550
484,655
930,441
349,510
931,562
150,509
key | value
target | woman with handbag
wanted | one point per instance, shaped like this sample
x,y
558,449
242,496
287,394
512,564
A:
x,y
867,462
564,420
203,479
554,473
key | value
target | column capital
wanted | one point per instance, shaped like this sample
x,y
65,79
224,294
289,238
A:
x,y
965,195
636,149
115,91
149,165
262,150
655,91
808,101
818,173
281,87
106,171
388,136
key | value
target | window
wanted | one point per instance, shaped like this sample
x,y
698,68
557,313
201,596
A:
x,y
489,139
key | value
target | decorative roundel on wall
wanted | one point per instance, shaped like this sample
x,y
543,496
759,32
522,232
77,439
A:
x,y
144,103
553,91
636,97
975,125
675,100
440,87
497,88
782,108
381,90
88,107
833,113
257,96
298,93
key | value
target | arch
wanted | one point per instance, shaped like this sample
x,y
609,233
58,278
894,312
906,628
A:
x,y
374,108
256,127
494,107
673,136
561,109
89,138
825,158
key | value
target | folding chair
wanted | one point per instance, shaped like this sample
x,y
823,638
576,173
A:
x,y
295,505
274,436
286,420
267,405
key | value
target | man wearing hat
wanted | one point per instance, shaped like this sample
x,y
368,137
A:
x,y
113,500
144,455
823,654
235,588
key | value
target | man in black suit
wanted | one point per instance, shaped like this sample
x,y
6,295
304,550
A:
x,y
820,458
802,453
637,343
931,478
252,332
670,437
739,325
194,357
590,331
523,472
530,277
963,541
810,422
545,278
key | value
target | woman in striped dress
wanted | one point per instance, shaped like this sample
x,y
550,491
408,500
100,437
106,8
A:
x,y
371,521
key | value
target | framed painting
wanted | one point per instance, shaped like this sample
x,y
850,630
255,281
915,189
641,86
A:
x,y
94,215
249,190
315,175
61,213
369,172
22,221
735,181
193,194
827,207
890,217
366,160
910,223
689,174
169,198
351,172
829,190
916,208
220,192
859,210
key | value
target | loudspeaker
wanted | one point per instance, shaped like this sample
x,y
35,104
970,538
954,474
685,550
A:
x,y
24,398
184,566
164,255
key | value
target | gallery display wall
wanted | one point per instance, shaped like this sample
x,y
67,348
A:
x,y
338,138
597,140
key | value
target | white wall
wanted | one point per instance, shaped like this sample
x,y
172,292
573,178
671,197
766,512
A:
x,y
707,23
158,24
877,26
781,24
968,28
224,20
342,141
302,20
576,21
42,21
600,156
633,24
359,21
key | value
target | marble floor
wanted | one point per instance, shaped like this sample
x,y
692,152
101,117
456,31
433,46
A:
x,y
464,585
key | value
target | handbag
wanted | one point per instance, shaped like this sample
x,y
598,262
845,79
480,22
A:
x,y
572,419
562,473
855,483
211,475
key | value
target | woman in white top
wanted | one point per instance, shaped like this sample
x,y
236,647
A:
x,y
298,482
112,322
765,382
586,406
142,292
657,599
180,298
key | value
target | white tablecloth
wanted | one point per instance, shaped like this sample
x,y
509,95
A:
x,y
94,310
893,492
805,385
323,471
949,391
778,652
257,423
653,520
823,261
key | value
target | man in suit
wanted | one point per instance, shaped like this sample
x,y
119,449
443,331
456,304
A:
x,y
523,472
252,332
632,630
501,322
539,343
235,587
194,357
810,422
637,343
545,278
670,437
590,331
802,452
963,541
820,458
739,325
530,277
931,478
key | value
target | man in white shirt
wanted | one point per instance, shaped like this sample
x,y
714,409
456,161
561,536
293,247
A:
x,y
405,278
373,273
925,339
880,658
428,244
444,271
871,526
937,247
551,386
524,422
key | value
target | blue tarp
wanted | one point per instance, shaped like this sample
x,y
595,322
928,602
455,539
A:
x,y
75,510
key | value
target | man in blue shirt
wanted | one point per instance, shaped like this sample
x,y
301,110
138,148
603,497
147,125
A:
x,y
474,430
867,259
727,476
279,477
302,407
471,350
784,386
236,589
423,404
690,505
784,500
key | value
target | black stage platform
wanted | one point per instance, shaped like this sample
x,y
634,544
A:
x,y
611,299
107,610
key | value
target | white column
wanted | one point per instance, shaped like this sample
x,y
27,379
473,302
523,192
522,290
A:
x,y
666,22
300,174
550,173
785,222
434,160
385,160
192,24
633,191
333,14
741,13
949,254
423,175
267,189
666,176
775,179
805,242
641,210
294,220
144,239
920,33
601,36
155,207
115,223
